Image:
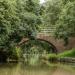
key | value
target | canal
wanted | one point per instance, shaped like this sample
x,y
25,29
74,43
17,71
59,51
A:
x,y
22,69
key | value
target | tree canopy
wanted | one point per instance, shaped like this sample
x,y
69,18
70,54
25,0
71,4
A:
x,y
18,18
61,15
22,18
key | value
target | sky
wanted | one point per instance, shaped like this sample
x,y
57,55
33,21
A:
x,y
42,1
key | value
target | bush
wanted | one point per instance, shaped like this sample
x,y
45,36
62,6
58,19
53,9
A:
x,y
50,57
16,53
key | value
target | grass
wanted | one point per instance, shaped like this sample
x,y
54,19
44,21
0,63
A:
x,y
54,57
70,53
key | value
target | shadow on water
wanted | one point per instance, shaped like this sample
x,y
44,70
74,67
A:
x,y
52,69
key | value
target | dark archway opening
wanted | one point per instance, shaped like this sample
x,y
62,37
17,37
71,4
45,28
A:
x,y
36,49
41,43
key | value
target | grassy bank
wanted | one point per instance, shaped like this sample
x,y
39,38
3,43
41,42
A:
x,y
67,53
66,56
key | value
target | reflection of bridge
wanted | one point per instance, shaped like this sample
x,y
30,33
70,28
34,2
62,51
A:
x,y
57,43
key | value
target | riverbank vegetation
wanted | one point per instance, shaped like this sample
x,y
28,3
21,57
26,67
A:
x,y
70,53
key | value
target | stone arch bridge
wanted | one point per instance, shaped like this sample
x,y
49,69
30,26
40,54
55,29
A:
x,y
58,44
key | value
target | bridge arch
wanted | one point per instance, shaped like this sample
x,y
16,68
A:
x,y
53,47
57,44
25,40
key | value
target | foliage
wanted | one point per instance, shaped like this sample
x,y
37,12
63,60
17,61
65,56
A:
x,y
60,14
37,47
18,18
8,20
33,51
66,22
29,16
22,18
51,12
70,53
15,53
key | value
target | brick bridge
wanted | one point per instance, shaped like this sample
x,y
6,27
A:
x,y
58,44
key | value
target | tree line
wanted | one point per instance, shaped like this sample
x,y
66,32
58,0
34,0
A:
x,y
21,18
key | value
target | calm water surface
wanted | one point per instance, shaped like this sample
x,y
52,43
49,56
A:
x,y
21,69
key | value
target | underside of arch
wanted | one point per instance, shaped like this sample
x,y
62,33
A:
x,y
52,46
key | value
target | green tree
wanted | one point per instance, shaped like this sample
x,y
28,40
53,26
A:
x,y
66,22
51,12
61,15
9,21
18,18
29,16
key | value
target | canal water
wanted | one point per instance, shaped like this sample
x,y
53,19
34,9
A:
x,y
22,69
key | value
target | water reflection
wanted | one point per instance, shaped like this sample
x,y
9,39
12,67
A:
x,y
21,69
